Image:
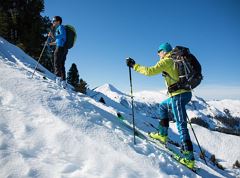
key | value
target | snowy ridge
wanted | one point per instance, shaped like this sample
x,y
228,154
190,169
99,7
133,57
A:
x,y
15,56
46,131
232,105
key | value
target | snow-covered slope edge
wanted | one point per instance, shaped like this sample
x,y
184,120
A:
x,y
13,55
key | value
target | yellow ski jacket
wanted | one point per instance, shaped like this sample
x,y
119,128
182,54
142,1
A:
x,y
166,64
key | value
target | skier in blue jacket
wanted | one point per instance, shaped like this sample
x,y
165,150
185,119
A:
x,y
60,52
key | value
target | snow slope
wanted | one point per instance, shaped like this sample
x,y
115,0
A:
x,y
46,131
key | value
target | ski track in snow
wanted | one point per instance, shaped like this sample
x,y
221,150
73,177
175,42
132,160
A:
x,y
49,132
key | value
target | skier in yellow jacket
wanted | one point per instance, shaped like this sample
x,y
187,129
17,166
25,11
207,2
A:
x,y
176,102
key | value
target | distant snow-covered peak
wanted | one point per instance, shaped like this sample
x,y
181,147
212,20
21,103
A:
x,y
109,89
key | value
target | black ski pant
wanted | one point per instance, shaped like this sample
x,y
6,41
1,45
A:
x,y
60,54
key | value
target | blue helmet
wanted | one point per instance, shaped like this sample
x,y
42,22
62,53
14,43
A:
x,y
166,47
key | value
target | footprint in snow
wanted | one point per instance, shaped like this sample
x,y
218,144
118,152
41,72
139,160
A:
x,y
5,97
29,129
5,129
33,173
57,98
70,168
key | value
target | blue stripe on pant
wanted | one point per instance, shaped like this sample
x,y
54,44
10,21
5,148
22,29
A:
x,y
177,105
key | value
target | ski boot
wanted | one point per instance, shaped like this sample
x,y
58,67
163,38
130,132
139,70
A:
x,y
188,160
188,156
157,136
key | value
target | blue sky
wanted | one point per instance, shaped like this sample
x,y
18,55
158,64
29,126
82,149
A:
x,y
111,30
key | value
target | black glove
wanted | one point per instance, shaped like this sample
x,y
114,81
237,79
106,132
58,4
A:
x,y
130,62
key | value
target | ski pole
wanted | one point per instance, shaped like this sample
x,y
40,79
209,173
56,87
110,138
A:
x,y
197,141
133,119
40,57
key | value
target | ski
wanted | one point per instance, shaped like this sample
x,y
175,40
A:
x,y
124,122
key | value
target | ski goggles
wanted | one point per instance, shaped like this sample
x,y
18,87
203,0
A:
x,y
54,20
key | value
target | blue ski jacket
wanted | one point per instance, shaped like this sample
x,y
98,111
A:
x,y
60,36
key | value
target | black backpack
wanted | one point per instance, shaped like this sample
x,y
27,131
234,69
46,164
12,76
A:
x,y
189,69
71,36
